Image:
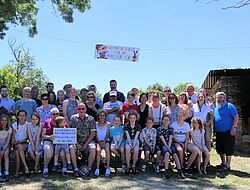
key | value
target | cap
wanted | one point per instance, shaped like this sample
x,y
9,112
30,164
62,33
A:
x,y
112,93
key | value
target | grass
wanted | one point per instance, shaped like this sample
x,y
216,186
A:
x,y
238,178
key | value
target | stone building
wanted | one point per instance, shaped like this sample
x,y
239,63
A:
x,y
236,84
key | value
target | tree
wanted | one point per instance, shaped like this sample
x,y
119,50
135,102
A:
x,y
21,72
182,87
156,88
238,4
24,12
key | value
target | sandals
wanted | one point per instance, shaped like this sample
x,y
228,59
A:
x,y
134,170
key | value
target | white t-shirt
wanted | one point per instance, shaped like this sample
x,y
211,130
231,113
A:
x,y
4,134
21,131
201,112
157,113
101,132
108,105
180,131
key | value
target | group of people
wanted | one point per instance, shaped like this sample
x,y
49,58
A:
x,y
174,126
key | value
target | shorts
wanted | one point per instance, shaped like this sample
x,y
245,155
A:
x,y
2,144
91,145
112,146
225,143
59,147
136,143
164,150
39,150
147,148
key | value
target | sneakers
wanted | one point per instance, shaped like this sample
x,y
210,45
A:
x,y
181,175
64,173
107,173
97,172
167,174
157,168
69,166
54,168
123,168
188,172
76,173
6,178
143,167
221,166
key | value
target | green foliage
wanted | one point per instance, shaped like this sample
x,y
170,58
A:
x,y
24,12
156,88
21,72
182,87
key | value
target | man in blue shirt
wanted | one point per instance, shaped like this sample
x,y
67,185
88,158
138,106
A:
x,y
225,123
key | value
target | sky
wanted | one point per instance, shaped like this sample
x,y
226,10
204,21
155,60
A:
x,y
180,41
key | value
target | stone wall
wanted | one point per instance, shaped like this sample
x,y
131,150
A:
x,y
238,93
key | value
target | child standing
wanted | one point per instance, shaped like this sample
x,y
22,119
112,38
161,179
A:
x,y
34,132
149,141
61,123
165,134
198,138
5,135
20,137
117,142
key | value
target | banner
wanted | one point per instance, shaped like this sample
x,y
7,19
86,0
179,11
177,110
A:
x,y
64,135
120,53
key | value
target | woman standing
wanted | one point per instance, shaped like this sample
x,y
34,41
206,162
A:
x,y
204,111
44,110
70,105
173,107
91,105
156,110
143,109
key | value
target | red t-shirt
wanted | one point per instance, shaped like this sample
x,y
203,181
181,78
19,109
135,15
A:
x,y
48,125
127,107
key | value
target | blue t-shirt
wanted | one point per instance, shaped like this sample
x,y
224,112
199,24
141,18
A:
x,y
116,132
223,117
29,106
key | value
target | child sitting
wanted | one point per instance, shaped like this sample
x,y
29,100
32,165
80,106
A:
x,y
117,142
5,135
61,123
148,135
198,138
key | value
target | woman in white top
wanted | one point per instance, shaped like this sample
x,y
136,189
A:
x,y
102,130
20,137
156,110
204,111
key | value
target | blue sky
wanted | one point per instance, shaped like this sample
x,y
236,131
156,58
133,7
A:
x,y
180,41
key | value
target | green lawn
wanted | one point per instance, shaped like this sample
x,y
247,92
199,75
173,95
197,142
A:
x,y
238,178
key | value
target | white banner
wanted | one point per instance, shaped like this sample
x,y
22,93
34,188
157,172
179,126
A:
x,y
64,135
120,53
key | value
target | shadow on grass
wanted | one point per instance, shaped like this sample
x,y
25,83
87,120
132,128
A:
x,y
119,181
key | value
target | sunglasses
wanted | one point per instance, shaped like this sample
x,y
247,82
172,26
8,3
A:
x,y
167,90
171,97
81,108
45,99
55,113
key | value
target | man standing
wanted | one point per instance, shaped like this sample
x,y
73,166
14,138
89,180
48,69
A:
x,y
50,87
113,107
191,94
225,123
113,87
26,103
5,101
34,95
86,131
